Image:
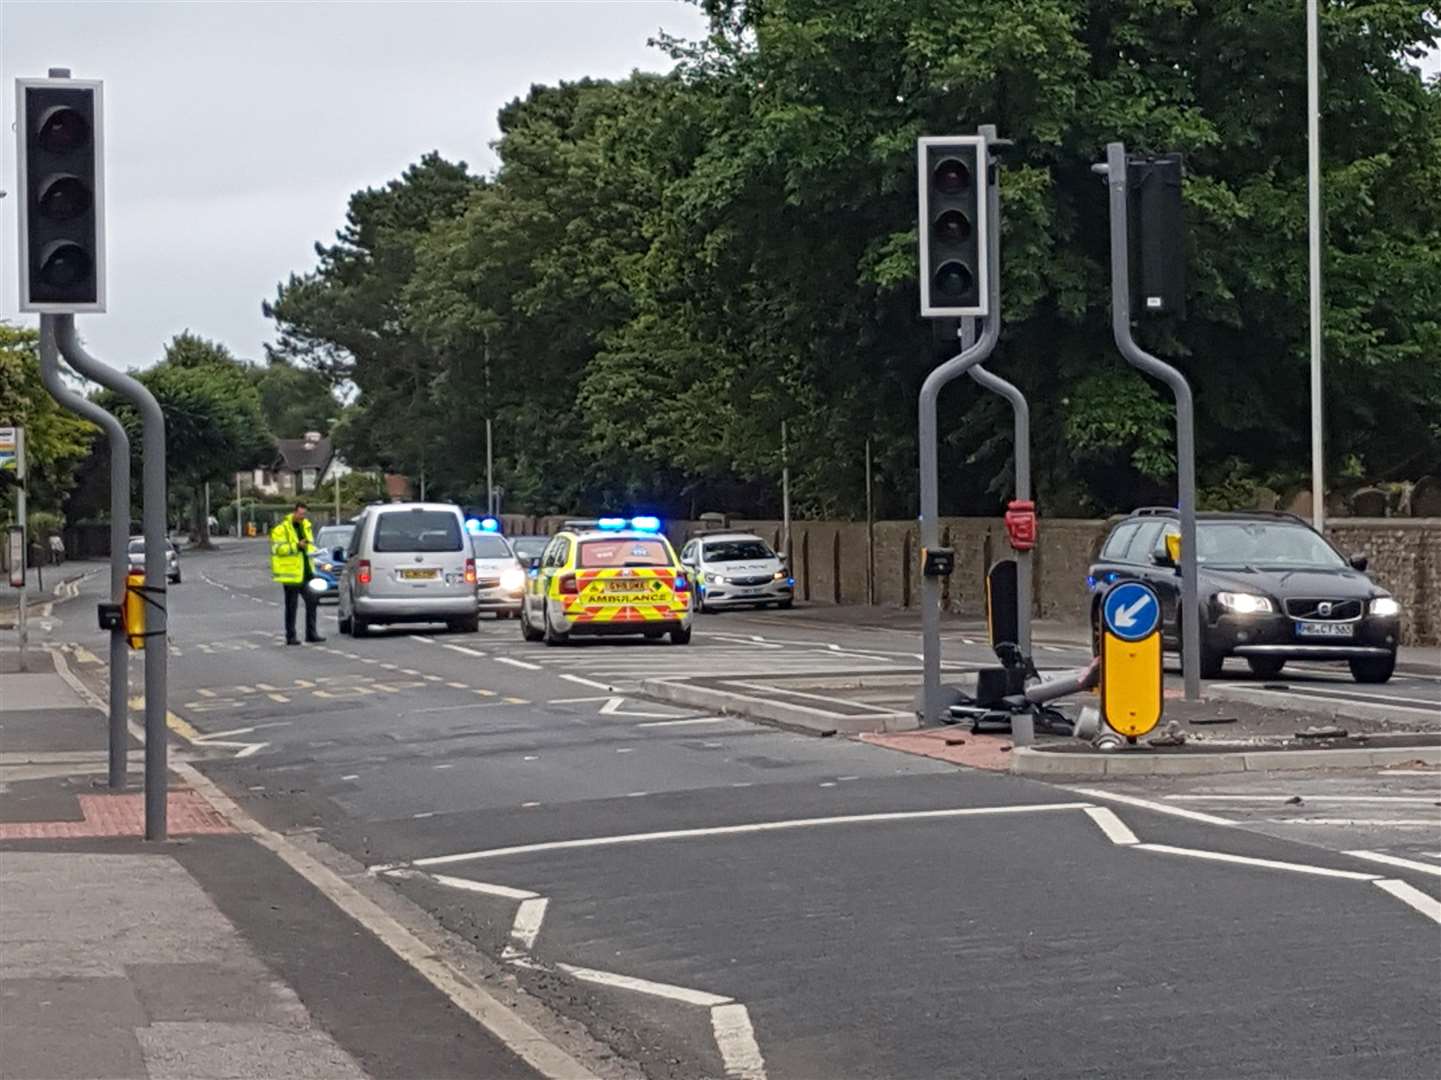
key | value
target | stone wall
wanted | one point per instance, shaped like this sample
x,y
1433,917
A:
x,y
829,561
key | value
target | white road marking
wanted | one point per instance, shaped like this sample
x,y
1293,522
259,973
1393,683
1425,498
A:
x,y
421,638
528,805
457,686
645,986
528,919
512,1030
1247,860
425,814
1114,828
446,765
693,722
576,700
1380,823
1430,800
612,707
735,1038
518,663
1409,894
1148,804
1396,860
1351,697
625,750
586,682
505,892
636,794
735,830
351,776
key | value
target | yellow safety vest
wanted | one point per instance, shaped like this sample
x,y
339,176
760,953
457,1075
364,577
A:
x,y
287,560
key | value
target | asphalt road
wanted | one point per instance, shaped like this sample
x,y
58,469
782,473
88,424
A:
x,y
715,898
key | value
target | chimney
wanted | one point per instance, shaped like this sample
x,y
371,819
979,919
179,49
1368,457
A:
x,y
311,439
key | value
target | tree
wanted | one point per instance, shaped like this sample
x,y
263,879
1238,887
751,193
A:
x,y
213,422
293,399
56,441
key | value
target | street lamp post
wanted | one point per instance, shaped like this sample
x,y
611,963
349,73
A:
x,y
1313,193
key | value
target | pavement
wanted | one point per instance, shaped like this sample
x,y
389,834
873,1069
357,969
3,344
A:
x,y
660,890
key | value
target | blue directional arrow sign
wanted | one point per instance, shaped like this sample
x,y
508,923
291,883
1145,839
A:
x,y
1131,611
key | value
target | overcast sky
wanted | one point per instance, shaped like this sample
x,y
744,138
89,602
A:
x,y
235,132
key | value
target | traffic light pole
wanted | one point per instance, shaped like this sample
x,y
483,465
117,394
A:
x,y
119,533
1021,410
952,369
156,545
1114,171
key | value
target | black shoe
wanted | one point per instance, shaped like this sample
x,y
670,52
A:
x,y
315,640
292,641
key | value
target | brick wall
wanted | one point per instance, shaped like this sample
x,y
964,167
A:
x,y
828,561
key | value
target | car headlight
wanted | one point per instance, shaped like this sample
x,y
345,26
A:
x,y
512,580
1243,603
1385,606
779,575
716,579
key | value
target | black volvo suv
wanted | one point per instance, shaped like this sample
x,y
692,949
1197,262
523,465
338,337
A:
x,y
1272,589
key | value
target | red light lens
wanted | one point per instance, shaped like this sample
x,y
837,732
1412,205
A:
x,y
362,572
568,585
470,571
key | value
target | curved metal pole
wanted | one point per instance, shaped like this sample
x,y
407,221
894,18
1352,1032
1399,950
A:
x,y
119,534
1190,614
1021,410
157,735
953,368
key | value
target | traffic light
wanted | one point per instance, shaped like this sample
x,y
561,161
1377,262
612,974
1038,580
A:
x,y
1158,234
62,187
952,183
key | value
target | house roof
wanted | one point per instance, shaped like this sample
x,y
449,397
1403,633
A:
x,y
300,454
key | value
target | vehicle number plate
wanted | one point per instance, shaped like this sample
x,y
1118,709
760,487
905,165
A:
x,y
639,587
419,575
1325,629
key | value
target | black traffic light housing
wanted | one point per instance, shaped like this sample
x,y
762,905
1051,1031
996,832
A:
x,y
953,174
61,180
1157,229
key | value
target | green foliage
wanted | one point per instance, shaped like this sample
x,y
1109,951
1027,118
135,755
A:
x,y
56,441
665,268
294,400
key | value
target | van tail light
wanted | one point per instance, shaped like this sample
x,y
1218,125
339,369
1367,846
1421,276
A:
x,y
568,586
470,571
362,572
682,583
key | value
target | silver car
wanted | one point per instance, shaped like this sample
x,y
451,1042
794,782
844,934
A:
x,y
499,578
408,563
737,570
135,555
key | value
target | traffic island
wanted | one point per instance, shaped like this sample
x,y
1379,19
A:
x,y
817,704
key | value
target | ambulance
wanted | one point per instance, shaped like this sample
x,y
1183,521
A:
x,y
608,576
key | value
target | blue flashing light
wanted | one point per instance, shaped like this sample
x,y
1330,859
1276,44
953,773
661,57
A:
x,y
489,524
610,524
1111,577
791,582
1091,582
645,523
472,526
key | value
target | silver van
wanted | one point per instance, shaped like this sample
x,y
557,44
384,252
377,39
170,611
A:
x,y
408,563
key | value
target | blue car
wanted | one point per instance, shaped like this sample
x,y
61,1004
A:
x,y
328,540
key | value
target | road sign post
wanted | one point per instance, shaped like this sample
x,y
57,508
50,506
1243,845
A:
x,y
953,368
119,535
1131,686
1115,172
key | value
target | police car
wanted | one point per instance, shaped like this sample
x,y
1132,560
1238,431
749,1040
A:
x,y
609,576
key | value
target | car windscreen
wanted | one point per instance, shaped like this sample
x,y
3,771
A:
x,y
597,554
333,536
530,547
489,547
137,547
737,551
1263,543
418,530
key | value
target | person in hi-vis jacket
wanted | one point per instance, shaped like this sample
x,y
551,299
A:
x,y
291,546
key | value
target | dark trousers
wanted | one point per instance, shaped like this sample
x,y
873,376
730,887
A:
x,y
293,595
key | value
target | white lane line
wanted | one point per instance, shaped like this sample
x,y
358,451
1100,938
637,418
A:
x,y
462,649
735,1038
1409,894
645,986
1380,823
517,663
1348,697
736,830
505,892
1408,800
1247,860
1396,860
586,682
1114,828
612,707
694,722
576,700
1148,804
420,638
528,919
351,776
